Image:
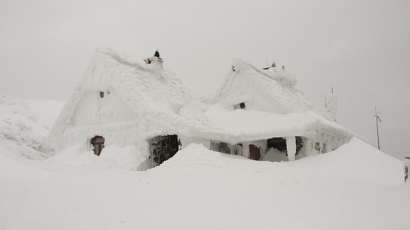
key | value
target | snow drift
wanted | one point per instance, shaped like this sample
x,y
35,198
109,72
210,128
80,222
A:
x,y
202,189
25,124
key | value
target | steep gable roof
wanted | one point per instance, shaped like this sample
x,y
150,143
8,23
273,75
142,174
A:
x,y
279,88
275,84
146,88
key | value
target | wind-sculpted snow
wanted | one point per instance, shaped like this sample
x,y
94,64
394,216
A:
x,y
201,189
25,124
355,161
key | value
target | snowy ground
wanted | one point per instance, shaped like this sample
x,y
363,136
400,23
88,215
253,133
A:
x,y
354,187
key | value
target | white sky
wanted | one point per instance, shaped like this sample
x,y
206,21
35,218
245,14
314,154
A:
x,y
360,48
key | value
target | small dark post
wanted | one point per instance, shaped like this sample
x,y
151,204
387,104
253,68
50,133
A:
x,y
406,168
377,126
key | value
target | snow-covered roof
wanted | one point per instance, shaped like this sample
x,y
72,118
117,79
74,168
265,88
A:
x,y
239,125
146,88
145,85
285,102
246,125
157,96
275,84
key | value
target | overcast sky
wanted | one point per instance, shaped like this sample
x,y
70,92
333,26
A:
x,y
360,48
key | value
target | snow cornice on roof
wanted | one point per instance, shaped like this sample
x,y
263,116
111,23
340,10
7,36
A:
x,y
274,73
127,60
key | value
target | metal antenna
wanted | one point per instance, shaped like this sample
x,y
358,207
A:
x,y
377,125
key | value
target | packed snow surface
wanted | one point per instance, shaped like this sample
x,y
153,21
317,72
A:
x,y
202,189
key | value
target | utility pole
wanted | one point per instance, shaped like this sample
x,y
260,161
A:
x,y
377,125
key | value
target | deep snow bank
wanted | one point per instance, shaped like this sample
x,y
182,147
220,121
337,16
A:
x,y
13,167
198,189
24,124
354,161
112,157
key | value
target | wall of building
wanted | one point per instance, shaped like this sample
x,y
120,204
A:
x,y
323,143
239,92
92,109
185,141
120,133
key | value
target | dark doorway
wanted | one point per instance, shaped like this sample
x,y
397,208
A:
x,y
277,143
254,152
280,144
98,143
163,147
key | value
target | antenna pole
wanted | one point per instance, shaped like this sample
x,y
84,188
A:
x,y
377,126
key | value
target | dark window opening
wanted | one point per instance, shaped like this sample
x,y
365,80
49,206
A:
x,y
220,147
280,144
101,94
98,143
277,143
163,148
239,106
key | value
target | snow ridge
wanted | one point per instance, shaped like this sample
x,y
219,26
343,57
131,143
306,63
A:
x,y
25,124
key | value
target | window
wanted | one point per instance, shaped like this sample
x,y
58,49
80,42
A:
x,y
98,143
220,147
280,144
240,106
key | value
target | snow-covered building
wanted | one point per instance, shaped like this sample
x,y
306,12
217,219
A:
x,y
278,115
145,110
